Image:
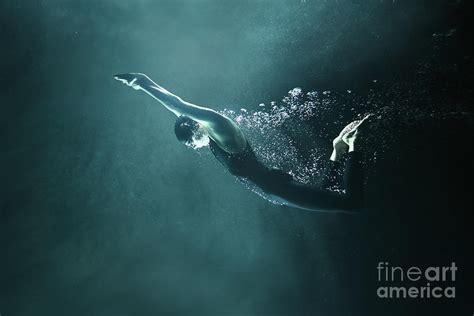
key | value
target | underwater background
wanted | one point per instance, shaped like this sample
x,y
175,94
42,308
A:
x,y
103,212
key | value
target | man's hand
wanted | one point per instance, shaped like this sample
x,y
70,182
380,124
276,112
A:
x,y
133,80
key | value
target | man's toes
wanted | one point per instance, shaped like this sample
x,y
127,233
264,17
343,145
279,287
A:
x,y
351,133
365,123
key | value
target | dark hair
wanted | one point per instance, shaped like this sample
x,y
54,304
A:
x,y
185,128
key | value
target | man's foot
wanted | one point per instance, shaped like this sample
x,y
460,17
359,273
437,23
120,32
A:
x,y
350,138
339,148
344,142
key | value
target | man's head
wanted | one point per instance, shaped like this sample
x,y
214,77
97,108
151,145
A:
x,y
190,133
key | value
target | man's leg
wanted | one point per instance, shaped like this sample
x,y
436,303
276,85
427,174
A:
x,y
354,181
347,141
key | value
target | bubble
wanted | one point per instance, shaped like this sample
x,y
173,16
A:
x,y
295,134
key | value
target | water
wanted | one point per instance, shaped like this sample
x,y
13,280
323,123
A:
x,y
102,212
295,133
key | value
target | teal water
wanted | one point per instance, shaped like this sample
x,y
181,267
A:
x,y
103,212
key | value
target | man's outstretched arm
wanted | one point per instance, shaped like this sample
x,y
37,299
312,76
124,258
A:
x,y
220,128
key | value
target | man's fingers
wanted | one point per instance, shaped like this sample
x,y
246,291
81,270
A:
x,y
122,80
129,80
125,77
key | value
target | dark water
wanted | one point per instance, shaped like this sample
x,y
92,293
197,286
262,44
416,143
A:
x,y
104,213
